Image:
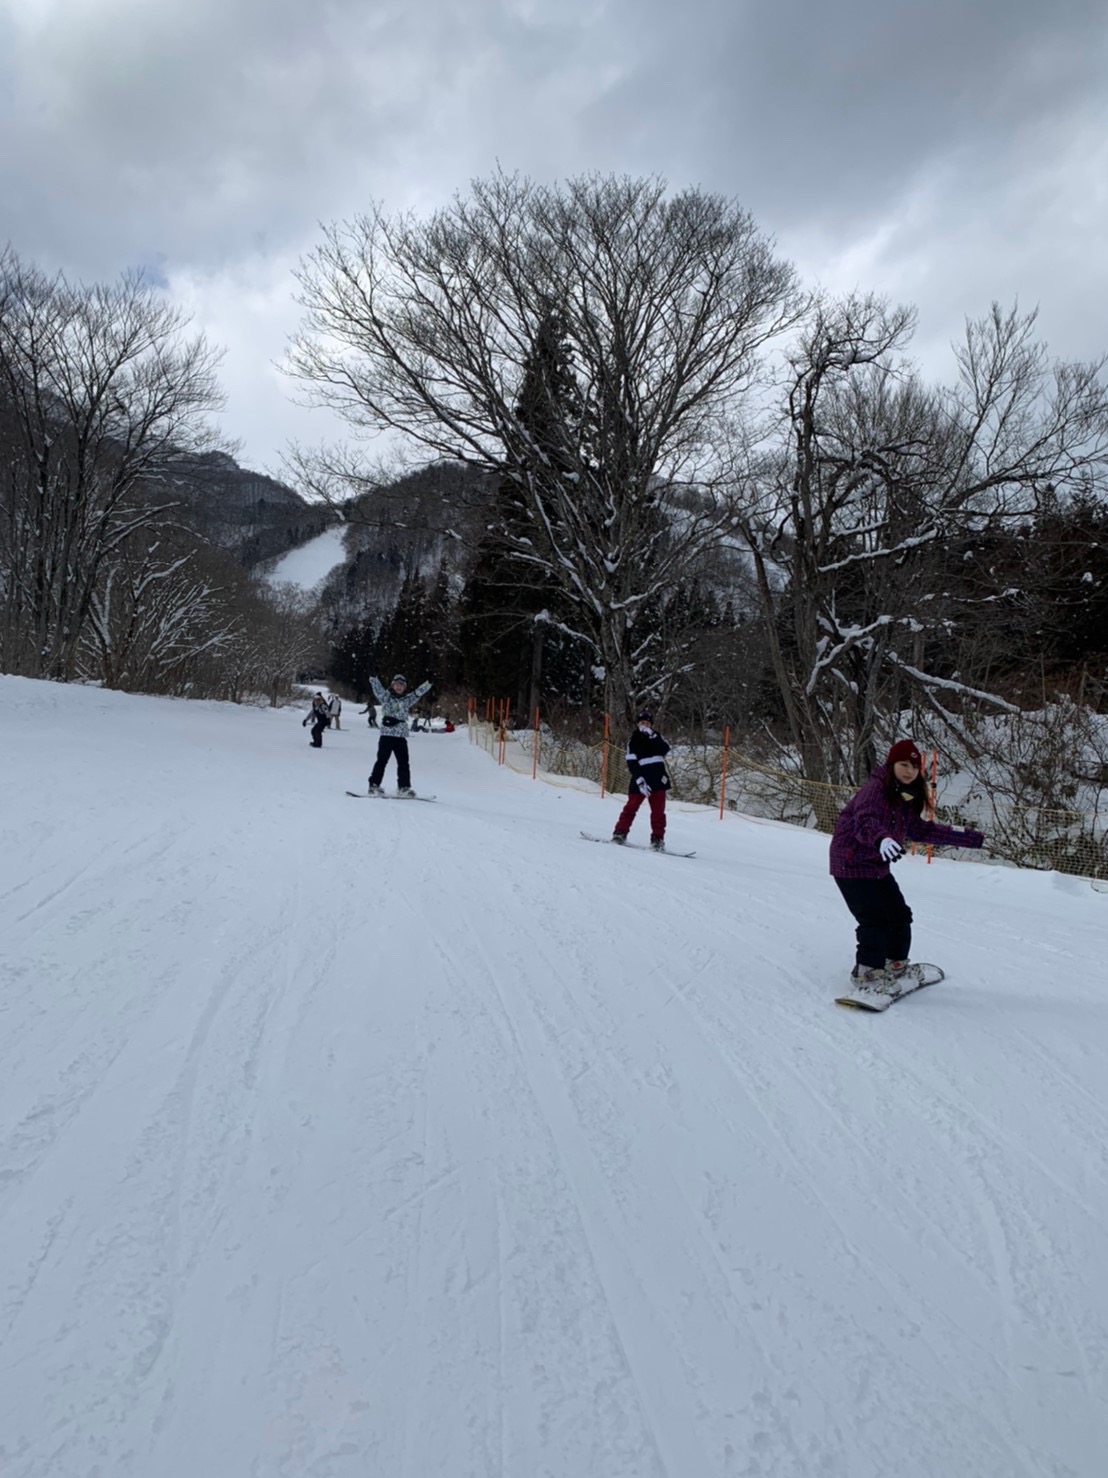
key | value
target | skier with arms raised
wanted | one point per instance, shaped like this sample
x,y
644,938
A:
x,y
396,703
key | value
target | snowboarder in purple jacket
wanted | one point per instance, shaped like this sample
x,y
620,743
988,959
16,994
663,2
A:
x,y
869,836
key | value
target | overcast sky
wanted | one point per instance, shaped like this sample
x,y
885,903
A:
x,y
945,152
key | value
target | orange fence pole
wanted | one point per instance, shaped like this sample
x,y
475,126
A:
x,y
604,759
535,749
723,772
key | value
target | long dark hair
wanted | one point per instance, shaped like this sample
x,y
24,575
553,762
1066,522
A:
x,y
916,794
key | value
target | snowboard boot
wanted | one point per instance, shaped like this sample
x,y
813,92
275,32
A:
x,y
903,973
620,838
376,790
875,982
657,844
407,793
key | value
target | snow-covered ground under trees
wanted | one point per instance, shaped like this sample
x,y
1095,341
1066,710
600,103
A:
x,y
362,1139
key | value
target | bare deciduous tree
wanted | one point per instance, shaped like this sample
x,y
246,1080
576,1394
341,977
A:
x,y
428,328
153,615
99,390
286,639
874,478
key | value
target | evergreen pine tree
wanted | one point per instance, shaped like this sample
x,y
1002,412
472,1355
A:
x,y
404,644
503,635
353,658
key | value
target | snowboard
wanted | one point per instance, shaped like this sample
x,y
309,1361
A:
x,y
362,795
638,846
915,977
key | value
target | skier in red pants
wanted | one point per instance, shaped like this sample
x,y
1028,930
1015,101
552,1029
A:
x,y
646,752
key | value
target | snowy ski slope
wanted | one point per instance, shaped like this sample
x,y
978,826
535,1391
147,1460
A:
x,y
311,563
343,1140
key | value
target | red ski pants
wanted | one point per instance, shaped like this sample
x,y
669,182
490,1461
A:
x,y
657,800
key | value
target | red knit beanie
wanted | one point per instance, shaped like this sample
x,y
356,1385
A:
x,y
904,749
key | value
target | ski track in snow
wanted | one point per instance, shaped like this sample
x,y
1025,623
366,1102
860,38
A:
x,y
426,1142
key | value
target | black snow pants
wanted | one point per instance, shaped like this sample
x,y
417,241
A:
x,y
884,929
386,748
318,726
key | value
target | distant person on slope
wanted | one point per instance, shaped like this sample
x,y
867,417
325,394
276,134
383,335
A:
x,y
371,710
646,752
334,709
870,835
319,718
395,706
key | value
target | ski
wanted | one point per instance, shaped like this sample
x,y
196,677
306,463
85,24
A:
x,y
916,977
638,846
361,795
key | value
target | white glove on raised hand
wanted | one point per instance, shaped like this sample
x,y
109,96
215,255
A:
x,y
891,851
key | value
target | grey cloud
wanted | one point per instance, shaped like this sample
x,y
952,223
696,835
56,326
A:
x,y
936,149
184,129
196,129
802,107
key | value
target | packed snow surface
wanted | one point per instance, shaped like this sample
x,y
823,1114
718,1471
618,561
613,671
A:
x,y
344,1138
311,562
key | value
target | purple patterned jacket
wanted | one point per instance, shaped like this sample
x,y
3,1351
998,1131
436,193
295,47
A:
x,y
869,816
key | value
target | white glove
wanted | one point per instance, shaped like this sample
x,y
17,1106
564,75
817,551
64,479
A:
x,y
890,850
643,786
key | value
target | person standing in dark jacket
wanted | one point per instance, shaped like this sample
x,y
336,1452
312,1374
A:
x,y
869,836
319,718
646,760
